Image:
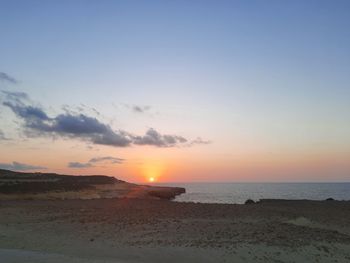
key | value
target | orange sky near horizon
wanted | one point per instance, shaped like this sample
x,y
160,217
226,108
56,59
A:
x,y
157,90
186,165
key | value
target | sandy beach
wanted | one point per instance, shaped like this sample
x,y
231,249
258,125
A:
x,y
146,230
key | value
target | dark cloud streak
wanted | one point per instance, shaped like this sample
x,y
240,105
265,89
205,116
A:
x,y
140,109
93,161
106,158
7,78
79,165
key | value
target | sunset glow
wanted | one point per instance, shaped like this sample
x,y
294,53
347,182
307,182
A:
x,y
152,170
151,179
180,99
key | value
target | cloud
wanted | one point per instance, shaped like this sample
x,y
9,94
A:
x,y
27,112
199,140
20,166
36,122
7,78
106,158
81,108
152,137
79,165
93,161
136,108
140,109
16,96
3,137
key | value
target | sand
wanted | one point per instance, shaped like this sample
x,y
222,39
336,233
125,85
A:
x,y
140,230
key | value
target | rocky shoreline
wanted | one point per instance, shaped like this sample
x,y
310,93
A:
x,y
49,186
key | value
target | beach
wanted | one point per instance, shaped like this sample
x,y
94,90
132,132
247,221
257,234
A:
x,y
150,230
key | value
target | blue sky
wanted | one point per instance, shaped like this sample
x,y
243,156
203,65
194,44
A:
x,y
253,77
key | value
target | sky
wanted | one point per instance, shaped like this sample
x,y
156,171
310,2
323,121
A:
x,y
181,91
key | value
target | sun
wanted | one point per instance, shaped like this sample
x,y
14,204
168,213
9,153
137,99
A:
x,y
152,171
151,179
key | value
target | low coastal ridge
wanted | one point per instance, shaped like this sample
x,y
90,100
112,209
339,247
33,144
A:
x,y
21,186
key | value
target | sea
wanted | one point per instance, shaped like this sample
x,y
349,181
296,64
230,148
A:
x,y
238,193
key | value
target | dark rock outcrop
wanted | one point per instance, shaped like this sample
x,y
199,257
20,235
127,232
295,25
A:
x,y
168,193
249,202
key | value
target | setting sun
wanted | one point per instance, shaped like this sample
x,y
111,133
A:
x,y
151,179
152,170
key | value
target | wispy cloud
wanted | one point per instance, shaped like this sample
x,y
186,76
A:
x,y
36,122
140,109
92,162
20,166
199,140
16,96
7,78
79,165
3,137
106,158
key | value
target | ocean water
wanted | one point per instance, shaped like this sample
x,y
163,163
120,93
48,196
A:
x,y
238,193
